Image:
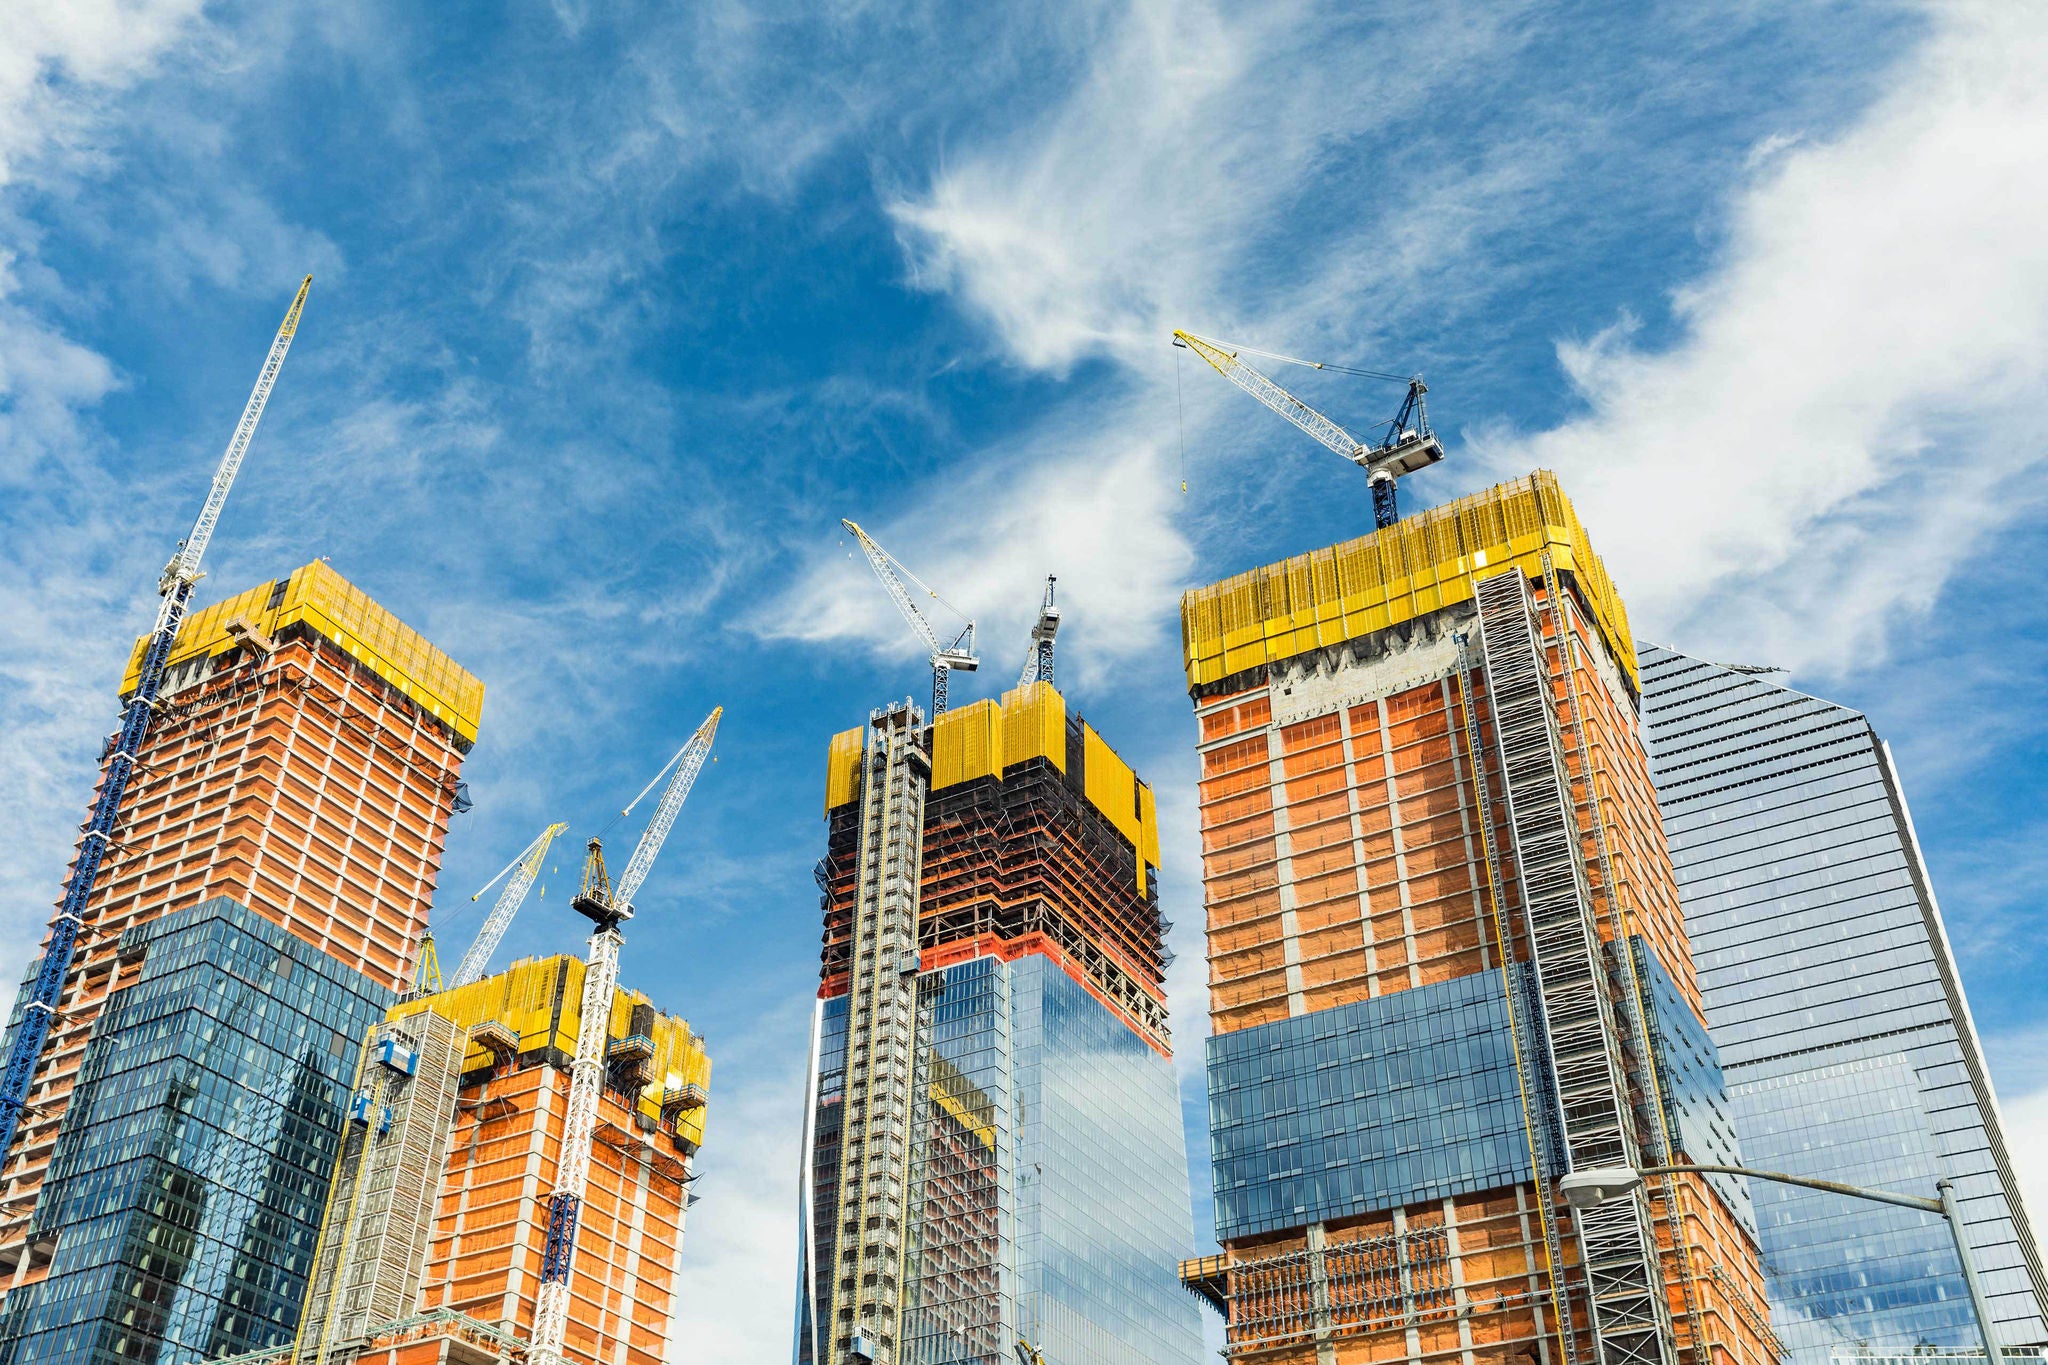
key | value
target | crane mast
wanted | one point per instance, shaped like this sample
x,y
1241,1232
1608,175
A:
x,y
945,656
524,869
1405,449
175,588
1038,659
608,905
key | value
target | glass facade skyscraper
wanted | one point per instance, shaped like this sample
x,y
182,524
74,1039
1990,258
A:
x,y
1842,1028
1049,1175
186,1188
993,1151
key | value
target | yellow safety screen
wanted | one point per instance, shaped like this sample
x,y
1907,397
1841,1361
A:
x,y
1421,564
986,739
968,743
1034,725
541,999
1112,788
842,768
336,609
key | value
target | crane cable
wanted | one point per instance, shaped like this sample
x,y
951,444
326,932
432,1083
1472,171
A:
x,y
1309,364
1180,417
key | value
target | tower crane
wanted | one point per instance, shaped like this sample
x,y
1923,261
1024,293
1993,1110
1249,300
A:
x,y
1404,449
1038,661
175,588
608,905
524,869
945,657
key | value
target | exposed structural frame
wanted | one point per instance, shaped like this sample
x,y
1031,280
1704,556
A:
x,y
1629,1315
175,586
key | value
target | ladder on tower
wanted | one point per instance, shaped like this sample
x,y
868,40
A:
x,y
1542,1134
1618,1252
1625,981
871,1203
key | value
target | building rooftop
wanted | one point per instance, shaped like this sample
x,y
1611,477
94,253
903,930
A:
x,y
322,601
1421,564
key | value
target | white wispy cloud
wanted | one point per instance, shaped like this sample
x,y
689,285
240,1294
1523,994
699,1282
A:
x,y
738,1283
1097,513
1853,403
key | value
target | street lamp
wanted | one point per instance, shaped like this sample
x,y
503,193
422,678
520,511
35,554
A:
x,y
1591,1188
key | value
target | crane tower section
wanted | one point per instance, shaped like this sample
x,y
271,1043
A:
x,y
872,1213
175,586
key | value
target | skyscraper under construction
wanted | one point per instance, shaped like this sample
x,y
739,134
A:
x,y
436,1237
1448,968
258,906
993,1140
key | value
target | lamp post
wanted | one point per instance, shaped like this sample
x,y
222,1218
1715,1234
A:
x,y
1590,1188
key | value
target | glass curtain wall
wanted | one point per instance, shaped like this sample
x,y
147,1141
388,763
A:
x,y
1841,1024
186,1189
1049,1178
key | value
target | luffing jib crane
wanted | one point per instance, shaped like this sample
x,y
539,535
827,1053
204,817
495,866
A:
x,y
608,904
1409,444
175,587
1038,661
958,654
524,869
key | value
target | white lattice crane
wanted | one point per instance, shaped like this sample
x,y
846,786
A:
x,y
958,654
524,869
45,988
1405,448
1038,661
608,905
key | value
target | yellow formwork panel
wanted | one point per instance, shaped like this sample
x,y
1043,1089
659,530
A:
x,y
1113,788
336,609
1419,565
1148,825
842,768
1034,725
541,998
967,743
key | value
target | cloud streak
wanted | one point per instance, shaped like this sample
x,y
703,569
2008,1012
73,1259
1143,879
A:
x,y
1852,406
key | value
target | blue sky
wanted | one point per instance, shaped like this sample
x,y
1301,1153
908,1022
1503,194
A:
x,y
618,309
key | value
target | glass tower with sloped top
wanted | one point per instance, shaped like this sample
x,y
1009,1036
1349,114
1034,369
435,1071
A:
x,y
1843,1031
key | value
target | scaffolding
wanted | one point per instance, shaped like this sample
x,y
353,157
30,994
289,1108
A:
x,y
1539,1127
1618,1251
380,1209
871,1212
1025,852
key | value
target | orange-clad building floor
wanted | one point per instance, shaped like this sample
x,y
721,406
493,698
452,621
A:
x,y
1346,859
300,773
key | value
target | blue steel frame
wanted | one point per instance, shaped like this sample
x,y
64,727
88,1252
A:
x,y
26,1050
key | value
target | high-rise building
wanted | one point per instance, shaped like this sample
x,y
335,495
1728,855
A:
x,y
993,1138
1840,1018
1449,977
436,1231
303,764
185,1194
